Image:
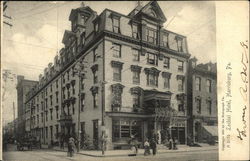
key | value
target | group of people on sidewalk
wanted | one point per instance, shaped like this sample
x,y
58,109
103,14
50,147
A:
x,y
152,144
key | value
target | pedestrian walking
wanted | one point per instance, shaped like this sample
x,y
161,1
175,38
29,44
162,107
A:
x,y
133,142
146,147
153,146
175,141
71,146
170,143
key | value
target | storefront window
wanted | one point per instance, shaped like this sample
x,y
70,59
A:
x,y
123,129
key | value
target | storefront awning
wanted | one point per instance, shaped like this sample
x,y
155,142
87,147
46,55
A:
x,y
213,130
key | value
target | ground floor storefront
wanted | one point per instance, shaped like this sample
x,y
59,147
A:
x,y
124,128
203,129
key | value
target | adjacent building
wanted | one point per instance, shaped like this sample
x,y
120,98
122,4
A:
x,y
118,75
202,104
23,86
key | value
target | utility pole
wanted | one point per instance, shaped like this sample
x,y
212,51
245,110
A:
x,y
14,121
79,70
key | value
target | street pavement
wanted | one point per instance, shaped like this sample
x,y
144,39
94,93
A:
x,y
51,155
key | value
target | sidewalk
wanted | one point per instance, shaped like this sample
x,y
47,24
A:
x,y
115,153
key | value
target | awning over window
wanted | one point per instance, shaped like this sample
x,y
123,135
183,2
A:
x,y
212,130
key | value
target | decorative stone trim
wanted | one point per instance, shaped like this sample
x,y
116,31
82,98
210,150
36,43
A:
x,y
94,89
94,68
180,77
116,64
73,82
152,70
117,88
166,74
135,68
136,90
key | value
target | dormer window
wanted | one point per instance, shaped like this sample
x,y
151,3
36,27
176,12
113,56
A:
x,y
116,24
179,42
96,24
165,41
83,39
151,35
96,27
135,31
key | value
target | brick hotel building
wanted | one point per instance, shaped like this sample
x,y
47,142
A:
x,y
118,75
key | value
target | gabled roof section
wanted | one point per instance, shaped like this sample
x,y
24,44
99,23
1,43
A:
x,y
152,9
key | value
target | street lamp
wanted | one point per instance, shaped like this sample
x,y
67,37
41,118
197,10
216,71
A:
x,y
79,70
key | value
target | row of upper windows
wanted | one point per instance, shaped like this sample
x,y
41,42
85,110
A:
x,y
151,78
151,58
198,102
198,84
151,34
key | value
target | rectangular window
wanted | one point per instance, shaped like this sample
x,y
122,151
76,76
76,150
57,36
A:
x,y
166,62
135,31
181,107
46,132
83,127
165,41
179,45
56,97
73,108
180,65
151,35
46,115
136,100
57,130
95,77
117,74
41,117
51,132
94,54
57,113
209,106
198,83
56,83
116,24
51,100
82,103
136,77
180,84
166,82
73,89
125,129
136,55
209,87
37,107
198,105
152,59
116,50
96,26
152,79
51,114
95,100
37,119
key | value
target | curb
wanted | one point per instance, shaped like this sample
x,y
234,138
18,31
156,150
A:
x,y
119,155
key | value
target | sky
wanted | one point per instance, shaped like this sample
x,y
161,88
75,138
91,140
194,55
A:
x,y
38,27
